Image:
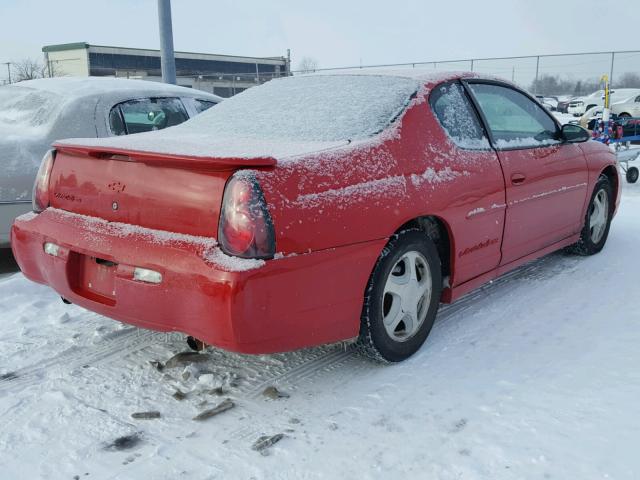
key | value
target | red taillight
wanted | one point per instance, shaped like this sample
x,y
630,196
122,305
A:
x,y
40,197
245,228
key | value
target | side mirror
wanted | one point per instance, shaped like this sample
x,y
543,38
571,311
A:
x,y
572,133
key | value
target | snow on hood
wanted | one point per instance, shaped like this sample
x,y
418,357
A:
x,y
282,118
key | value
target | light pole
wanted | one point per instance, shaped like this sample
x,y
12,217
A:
x,y
8,64
167,57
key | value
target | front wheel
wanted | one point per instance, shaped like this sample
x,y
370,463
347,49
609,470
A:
x,y
632,174
597,220
402,298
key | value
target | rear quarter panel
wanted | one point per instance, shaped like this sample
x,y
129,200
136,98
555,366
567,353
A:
x,y
366,192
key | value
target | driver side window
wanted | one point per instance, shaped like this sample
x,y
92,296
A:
x,y
514,119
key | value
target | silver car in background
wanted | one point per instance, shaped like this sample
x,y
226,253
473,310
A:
x,y
35,113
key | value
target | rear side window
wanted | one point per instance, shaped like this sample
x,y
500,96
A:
x,y
116,123
455,113
514,119
202,105
146,114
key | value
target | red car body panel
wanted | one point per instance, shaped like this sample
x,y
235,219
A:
x,y
263,310
332,211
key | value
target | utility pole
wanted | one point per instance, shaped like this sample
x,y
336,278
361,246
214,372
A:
x,y
288,62
167,56
8,64
613,61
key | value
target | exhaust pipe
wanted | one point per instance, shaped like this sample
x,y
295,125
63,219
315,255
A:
x,y
195,344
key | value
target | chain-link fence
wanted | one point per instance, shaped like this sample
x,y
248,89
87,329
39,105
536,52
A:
x,y
561,74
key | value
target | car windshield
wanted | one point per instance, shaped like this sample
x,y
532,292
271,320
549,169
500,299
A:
x,y
27,110
310,108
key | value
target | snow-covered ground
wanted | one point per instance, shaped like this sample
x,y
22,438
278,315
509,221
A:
x,y
534,376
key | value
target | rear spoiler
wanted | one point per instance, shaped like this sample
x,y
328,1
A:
x,y
165,159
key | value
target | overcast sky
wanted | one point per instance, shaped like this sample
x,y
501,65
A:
x,y
334,32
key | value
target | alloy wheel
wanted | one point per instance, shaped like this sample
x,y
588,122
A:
x,y
407,295
599,215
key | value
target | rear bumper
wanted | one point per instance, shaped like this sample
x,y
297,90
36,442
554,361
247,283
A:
x,y
284,304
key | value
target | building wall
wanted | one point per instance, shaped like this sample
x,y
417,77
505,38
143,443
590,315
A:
x,y
224,75
69,62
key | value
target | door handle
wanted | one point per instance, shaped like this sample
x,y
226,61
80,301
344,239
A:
x,y
518,178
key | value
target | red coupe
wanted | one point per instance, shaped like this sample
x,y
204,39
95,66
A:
x,y
316,209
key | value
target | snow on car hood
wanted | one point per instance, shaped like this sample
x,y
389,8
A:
x,y
283,118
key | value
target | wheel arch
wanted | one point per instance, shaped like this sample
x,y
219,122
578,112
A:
x,y
612,175
439,231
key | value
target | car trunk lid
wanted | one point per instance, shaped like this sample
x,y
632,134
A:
x,y
176,193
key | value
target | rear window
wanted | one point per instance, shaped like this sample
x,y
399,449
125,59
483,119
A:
x,y
313,108
146,115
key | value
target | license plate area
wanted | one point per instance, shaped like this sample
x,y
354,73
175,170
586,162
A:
x,y
93,278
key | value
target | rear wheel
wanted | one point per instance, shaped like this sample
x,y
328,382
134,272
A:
x,y
597,220
402,298
632,174
624,115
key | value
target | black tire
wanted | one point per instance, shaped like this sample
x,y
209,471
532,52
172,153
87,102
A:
x,y
624,115
632,174
586,245
374,340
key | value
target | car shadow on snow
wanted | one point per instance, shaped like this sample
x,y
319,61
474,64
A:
x,y
8,264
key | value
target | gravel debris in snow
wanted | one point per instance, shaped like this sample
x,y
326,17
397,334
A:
x,y
273,393
266,441
225,405
146,415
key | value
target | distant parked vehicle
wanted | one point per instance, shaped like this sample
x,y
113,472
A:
x,y
551,103
563,103
35,113
578,106
627,108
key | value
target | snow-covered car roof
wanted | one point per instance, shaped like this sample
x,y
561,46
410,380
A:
x,y
424,75
32,107
288,117
77,87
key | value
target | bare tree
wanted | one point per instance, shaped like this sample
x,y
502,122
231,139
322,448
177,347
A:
x,y
627,80
555,85
307,65
29,69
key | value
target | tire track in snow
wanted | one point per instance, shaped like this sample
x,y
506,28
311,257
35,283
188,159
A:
x,y
116,344
297,369
350,364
